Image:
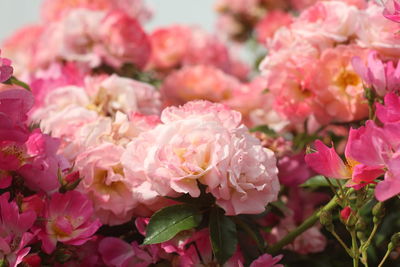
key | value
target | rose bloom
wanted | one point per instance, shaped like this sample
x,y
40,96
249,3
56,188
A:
x,y
203,142
176,46
339,92
333,22
55,9
68,219
105,184
272,21
378,32
92,38
287,69
198,82
169,46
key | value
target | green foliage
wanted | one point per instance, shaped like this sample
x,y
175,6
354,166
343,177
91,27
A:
x,y
223,235
169,221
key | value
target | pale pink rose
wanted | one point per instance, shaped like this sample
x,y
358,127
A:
x,y
338,90
93,37
114,93
378,33
252,181
68,220
169,46
105,184
54,10
202,142
14,227
21,48
122,41
384,77
199,82
117,253
177,45
42,82
272,21
287,69
334,21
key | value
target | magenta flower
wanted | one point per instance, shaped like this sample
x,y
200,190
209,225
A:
x,y
392,10
14,235
6,70
383,77
68,220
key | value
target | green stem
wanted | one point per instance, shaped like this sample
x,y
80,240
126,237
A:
x,y
340,240
390,248
301,228
365,246
354,246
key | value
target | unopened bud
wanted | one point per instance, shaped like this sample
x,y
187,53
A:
x,y
395,240
63,255
345,213
378,211
325,219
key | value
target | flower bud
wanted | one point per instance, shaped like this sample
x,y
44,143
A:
x,y
325,219
378,211
395,240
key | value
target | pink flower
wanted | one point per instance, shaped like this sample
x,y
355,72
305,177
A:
x,y
105,184
326,161
14,227
199,82
287,69
169,47
54,10
40,172
14,106
270,23
5,69
292,170
330,21
93,37
123,41
378,33
392,10
68,220
203,142
338,90
267,260
117,253
390,112
383,77
176,46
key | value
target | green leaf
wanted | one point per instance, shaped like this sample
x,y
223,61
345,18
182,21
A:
x,y
316,181
167,222
223,235
264,129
